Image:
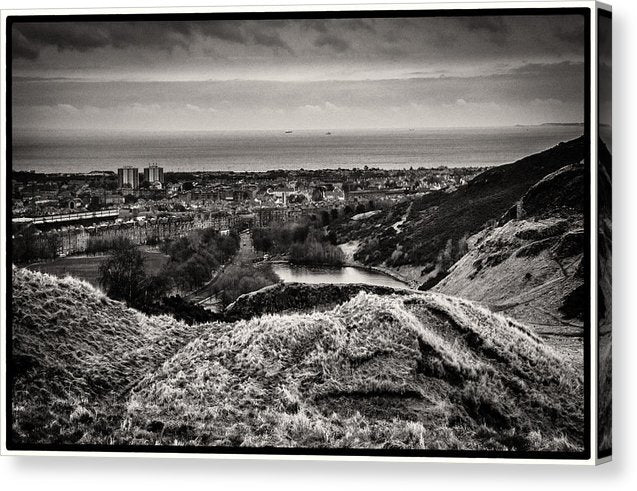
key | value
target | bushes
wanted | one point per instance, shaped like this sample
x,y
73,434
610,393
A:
x,y
122,275
378,371
238,279
315,251
27,246
182,310
278,238
353,376
303,243
69,380
195,257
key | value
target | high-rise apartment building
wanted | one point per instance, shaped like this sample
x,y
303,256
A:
x,y
153,173
128,177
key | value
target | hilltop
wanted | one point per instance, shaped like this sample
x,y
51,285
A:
x,y
299,297
398,370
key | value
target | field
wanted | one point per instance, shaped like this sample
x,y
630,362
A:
x,y
86,268
398,370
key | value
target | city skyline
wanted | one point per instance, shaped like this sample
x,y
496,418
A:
x,y
300,74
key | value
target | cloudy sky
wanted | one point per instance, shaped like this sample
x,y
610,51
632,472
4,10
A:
x,y
283,74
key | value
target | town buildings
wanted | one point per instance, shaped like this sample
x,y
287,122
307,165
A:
x,y
128,177
153,174
68,212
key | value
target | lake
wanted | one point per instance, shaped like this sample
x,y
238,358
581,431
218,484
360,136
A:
x,y
290,273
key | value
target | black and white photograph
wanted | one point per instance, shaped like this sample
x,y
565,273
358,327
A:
x,y
605,231
330,233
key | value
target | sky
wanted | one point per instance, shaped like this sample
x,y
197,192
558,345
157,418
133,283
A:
x,y
298,74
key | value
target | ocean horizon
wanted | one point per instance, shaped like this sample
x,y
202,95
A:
x,y
65,151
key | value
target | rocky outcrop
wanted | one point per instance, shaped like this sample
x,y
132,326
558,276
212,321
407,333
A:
x,y
298,297
560,192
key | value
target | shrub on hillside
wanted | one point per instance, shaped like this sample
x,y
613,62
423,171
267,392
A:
x,y
122,275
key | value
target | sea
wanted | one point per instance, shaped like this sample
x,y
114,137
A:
x,y
81,152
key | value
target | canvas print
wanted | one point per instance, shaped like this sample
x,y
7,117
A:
x,y
605,231
343,233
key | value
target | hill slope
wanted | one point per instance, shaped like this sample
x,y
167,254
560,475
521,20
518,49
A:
x,y
75,352
442,220
530,265
410,370
605,246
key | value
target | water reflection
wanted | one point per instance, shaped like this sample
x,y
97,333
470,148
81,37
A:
x,y
290,273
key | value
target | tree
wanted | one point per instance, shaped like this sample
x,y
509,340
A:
x,y
463,246
29,246
325,217
156,287
445,257
122,275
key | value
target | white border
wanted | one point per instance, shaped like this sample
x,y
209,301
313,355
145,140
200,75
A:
x,y
590,4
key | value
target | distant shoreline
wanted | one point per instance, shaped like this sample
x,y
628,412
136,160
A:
x,y
282,131
260,153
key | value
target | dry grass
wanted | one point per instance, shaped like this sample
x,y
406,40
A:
x,y
605,399
410,371
76,352
404,370
517,269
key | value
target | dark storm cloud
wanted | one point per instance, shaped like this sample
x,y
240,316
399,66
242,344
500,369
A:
x,y
333,33
495,29
271,40
30,38
22,47
453,38
299,72
342,25
573,35
337,43
605,76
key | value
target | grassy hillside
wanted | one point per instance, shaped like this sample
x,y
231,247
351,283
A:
x,y
75,354
442,220
530,266
407,370
605,307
